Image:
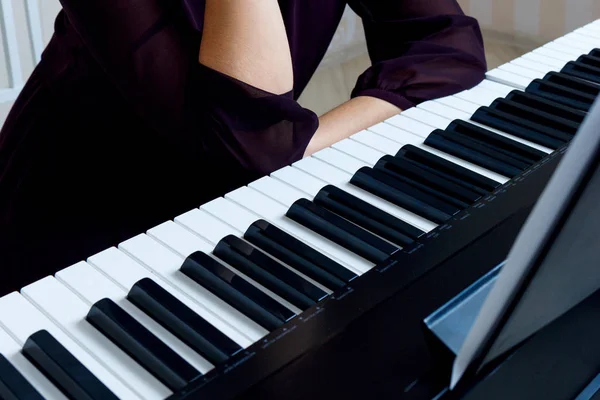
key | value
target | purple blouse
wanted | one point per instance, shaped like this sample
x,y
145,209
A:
x,y
120,128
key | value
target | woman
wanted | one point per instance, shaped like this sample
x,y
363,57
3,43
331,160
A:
x,y
143,109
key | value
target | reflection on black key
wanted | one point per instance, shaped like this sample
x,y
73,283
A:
x,y
145,348
63,369
547,106
13,385
268,272
182,322
407,173
294,252
447,170
340,231
235,291
369,217
474,152
590,60
382,185
561,94
541,121
575,83
583,71
519,127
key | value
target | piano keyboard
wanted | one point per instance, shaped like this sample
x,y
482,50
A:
x,y
189,300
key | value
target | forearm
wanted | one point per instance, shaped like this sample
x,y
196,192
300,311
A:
x,y
348,119
246,39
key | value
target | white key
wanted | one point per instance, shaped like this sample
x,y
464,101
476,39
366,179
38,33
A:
x,y
274,212
167,264
126,272
481,97
542,62
68,311
22,319
497,87
409,124
587,43
551,53
391,132
404,137
285,193
459,104
341,180
508,78
184,243
92,286
423,116
359,151
445,111
377,142
339,159
12,351
206,225
295,177
586,31
574,45
523,71
565,48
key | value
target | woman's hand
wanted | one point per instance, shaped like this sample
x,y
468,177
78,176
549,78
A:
x,y
348,119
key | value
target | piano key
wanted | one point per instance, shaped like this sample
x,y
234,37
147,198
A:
x,y
12,351
566,48
274,212
22,319
378,142
241,218
92,286
359,151
126,272
497,87
554,54
481,97
508,78
582,71
404,137
590,60
453,193
459,104
184,242
547,106
561,94
587,31
242,295
444,111
575,42
141,344
300,180
341,179
284,193
579,37
423,116
574,83
364,214
409,124
67,310
418,202
341,160
523,71
340,231
298,255
268,272
182,321
538,62
13,385
166,264
57,362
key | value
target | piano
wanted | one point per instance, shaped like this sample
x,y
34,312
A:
x,y
312,282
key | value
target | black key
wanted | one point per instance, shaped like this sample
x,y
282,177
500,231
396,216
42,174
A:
x,y
340,231
13,385
292,251
542,121
235,291
583,71
447,170
145,348
590,60
595,53
268,272
369,217
518,127
471,152
547,106
429,183
386,187
561,94
182,322
63,369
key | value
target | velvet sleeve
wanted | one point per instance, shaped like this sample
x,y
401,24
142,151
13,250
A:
x,y
420,50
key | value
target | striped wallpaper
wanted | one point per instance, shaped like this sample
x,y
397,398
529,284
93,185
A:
x,y
542,19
